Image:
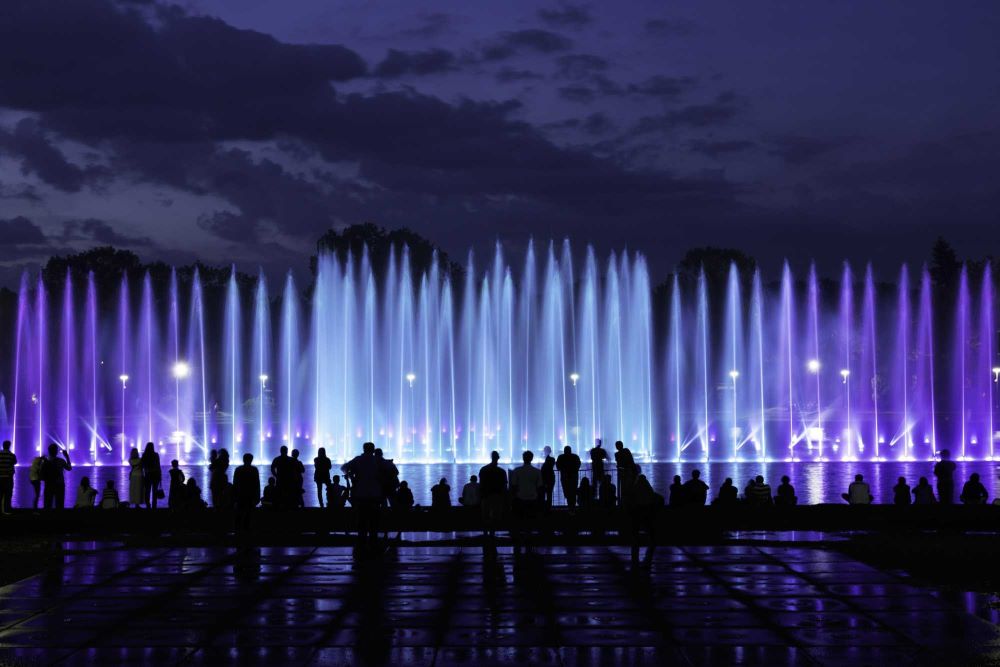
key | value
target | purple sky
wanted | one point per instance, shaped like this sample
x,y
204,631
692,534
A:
x,y
242,129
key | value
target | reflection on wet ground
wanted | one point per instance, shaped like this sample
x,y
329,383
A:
x,y
734,604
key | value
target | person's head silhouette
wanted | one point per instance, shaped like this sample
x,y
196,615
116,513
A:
x,y
759,479
546,450
321,453
368,448
619,445
149,448
54,449
786,480
247,459
283,450
859,478
527,457
494,457
695,474
567,450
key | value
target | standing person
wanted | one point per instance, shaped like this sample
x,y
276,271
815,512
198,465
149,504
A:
x,y
176,499
944,470
641,506
493,490
625,464
321,473
548,476
696,491
388,478
281,470
134,478
35,477
151,475
597,458
366,493
568,465
218,477
526,489
246,491
53,475
298,480
7,463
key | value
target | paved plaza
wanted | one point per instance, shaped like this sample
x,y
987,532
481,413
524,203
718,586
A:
x,y
718,605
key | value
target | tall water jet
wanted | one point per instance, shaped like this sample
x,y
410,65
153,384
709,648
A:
x,y
703,362
925,398
232,369
261,360
869,399
902,367
734,355
757,363
961,359
985,381
815,365
786,382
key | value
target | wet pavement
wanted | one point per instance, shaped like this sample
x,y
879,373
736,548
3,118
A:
x,y
718,605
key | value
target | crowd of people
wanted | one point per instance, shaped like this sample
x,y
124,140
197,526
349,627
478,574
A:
x,y
371,483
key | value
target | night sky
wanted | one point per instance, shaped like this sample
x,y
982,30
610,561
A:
x,y
240,130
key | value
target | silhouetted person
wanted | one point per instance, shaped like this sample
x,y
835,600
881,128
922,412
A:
x,y
676,492
944,470
85,494
298,480
493,490
109,497
388,476
641,503
53,472
526,490
973,493
193,499
785,496
901,492
7,463
404,497
441,495
269,495
923,494
246,491
471,494
281,470
597,458
748,489
728,495
548,476
176,499
695,490
609,494
858,493
336,494
35,477
760,494
135,479
322,466
568,465
366,493
151,475
625,464
218,478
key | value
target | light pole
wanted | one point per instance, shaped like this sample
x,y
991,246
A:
x,y
124,378
574,377
180,371
408,433
845,375
733,375
995,393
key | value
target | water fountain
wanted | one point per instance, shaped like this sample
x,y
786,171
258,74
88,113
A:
x,y
442,366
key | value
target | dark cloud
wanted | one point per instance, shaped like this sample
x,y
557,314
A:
x,y
664,87
415,63
39,157
99,231
670,27
718,148
20,231
580,65
566,16
230,226
533,40
798,150
597,123
509,74
723,109
581,94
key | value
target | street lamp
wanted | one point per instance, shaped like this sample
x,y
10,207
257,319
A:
x,y
181,370
733,375
813,365
845,373
996,374
124,379
574,377
263,383
410,377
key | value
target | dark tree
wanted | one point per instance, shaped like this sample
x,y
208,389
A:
x,y
945,265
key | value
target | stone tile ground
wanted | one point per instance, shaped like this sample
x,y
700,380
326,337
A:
x,y
719,605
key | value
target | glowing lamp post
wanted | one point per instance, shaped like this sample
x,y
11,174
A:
x,y
734,375
845,375
263,384
410,377
813,367
180,370
574,377
124,380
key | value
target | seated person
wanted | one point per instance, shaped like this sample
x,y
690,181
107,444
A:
x,y
609,493
676,492
760,492
901,492
973,493
786,493
269,494
470,493
109,498
858,493
728,495
923,493
584,494
441,495
85,494
336,494
193,496
404,497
